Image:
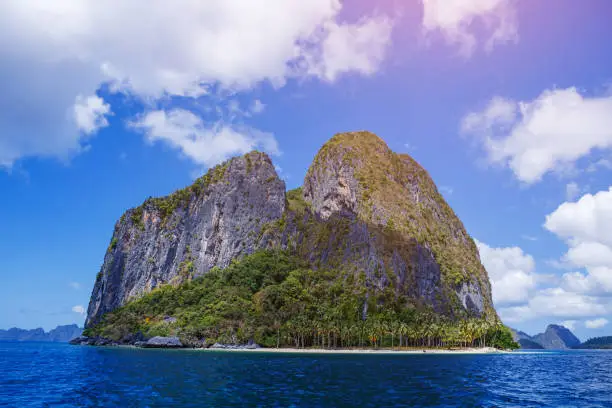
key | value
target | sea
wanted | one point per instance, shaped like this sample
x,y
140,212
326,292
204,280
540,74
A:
x,y
60,375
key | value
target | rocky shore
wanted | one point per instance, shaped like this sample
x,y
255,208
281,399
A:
x,y
161,342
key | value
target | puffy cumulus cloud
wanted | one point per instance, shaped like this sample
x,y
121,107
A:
x,y
547,134
582,293
596,323
52,52
584,225
204,144
511,272
78,309
555,302
455,18
520,293
89,113
360,46
586,221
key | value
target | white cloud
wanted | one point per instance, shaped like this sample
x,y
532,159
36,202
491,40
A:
x,y
570,324
361,46
584,225
586,221
520,293
52,52
75,285
78,309
204,144
596,323
555,302
455,18
511,272
89,113
547,134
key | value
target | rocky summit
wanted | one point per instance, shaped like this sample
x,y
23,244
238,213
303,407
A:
x,y
369,214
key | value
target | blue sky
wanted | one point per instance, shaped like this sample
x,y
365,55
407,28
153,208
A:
x,y
508,105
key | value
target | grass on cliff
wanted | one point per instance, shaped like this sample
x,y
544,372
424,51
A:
x,y
276,300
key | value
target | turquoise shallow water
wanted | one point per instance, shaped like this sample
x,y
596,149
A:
x,y
44,374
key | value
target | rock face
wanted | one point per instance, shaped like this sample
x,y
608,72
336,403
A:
x,y
525,341
400,229
363,210
186,234
61,334
555,337
92,341
162,342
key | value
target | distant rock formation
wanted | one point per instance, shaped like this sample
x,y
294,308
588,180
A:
x,y
555,337
61,334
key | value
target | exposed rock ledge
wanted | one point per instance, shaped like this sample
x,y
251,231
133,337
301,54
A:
x,y
160,342
250,346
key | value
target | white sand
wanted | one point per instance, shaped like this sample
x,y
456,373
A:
x,y
485,350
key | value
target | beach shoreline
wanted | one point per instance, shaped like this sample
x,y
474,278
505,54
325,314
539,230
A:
x,y
485,350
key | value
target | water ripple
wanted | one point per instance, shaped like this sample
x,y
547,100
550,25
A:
x,y
35,375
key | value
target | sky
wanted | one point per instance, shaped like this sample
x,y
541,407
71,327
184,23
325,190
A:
x,y
507,104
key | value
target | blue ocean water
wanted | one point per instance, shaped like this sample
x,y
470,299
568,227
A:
x,y
46,374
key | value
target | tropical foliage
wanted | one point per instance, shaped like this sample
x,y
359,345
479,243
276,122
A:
x,y
276,300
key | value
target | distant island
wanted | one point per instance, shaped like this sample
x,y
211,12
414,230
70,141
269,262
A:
x,y
602,343
366,254
555,337
61,334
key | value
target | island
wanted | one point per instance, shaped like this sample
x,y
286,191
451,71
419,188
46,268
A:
x,y
366,254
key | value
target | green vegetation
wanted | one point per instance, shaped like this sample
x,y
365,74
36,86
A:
x,y
296,202
597,343
276,300
113,244
137,218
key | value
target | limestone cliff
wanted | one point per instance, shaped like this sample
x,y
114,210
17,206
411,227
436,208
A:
x,y
363,210
172,239
402,232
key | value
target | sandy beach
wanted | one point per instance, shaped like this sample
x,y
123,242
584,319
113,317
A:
x,y
485,350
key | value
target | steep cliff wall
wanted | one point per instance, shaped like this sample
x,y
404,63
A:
x,y
363,211
401,223
172,239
